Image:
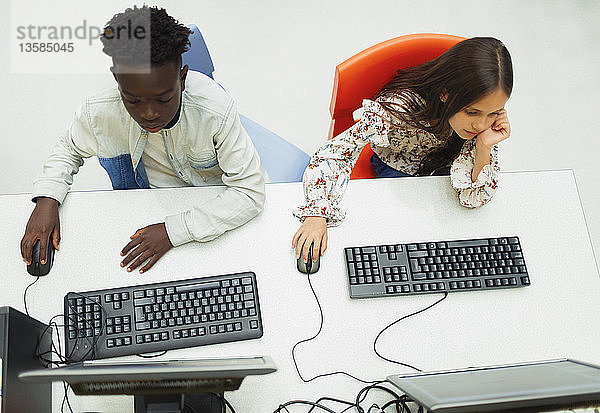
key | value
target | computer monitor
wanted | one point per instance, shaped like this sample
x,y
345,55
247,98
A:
x,y
22,340
525,387
154,377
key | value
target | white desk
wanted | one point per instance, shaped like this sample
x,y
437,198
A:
x,y
557,316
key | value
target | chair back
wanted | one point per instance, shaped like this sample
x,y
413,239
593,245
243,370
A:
x,y
364,74
197,57
283,161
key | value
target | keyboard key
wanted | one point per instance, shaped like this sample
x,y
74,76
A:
x,y
142,326
417,254
419,276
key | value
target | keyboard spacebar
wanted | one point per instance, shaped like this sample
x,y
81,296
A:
x,y
471,243
197,286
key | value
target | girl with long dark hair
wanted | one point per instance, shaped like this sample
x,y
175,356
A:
x,y
445,116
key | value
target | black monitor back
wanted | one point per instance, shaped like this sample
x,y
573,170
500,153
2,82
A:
x,y
19,338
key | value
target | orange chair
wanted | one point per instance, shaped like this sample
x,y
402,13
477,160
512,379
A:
x,y
362,75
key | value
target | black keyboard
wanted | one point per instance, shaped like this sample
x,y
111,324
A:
x,y
433,267
162,316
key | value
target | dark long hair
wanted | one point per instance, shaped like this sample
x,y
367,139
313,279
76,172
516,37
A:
x,y
466,72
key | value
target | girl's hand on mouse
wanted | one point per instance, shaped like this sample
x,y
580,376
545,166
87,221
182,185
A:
x,y
43,223
148,243
312,230
499,131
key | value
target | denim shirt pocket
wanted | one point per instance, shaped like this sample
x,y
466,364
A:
x,y
203,160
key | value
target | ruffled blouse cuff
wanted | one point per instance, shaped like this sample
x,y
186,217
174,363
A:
x,y
320,208
461,177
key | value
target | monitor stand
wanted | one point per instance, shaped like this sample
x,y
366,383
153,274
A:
x,y
178,403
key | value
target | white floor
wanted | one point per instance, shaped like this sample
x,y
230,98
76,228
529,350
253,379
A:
x,y
276,58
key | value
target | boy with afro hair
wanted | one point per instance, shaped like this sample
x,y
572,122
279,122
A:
x,y
161,126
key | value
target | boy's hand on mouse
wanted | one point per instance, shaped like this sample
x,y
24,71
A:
x,y
148,243
43,223
313,229
499,131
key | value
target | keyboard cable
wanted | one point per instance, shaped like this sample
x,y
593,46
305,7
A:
x,y
397,321
308,274
374,342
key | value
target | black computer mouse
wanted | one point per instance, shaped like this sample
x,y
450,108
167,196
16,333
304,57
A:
x,y
309,266
36,268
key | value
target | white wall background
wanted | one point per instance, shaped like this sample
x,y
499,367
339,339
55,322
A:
x,y
276,58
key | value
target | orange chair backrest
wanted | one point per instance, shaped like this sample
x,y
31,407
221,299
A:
x,y
362,75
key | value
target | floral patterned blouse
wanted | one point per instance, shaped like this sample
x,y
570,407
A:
x,y
402,148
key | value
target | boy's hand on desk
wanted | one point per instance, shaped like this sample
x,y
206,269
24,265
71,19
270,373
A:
x,y
43,223
148,243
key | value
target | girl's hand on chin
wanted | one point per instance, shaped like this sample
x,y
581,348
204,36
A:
x,y
499,131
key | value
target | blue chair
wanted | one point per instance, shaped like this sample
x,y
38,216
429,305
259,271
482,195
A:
x,y
283,161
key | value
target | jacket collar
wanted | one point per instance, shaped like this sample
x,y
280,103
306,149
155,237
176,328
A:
x,y
175,119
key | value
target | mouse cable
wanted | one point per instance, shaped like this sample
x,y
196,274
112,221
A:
x,y
55,350
332,399
25,294
77,317
306,402
224,403
362,395
65,400
188,408
400,401
317,405
397,321
312,338
55,347
40,354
